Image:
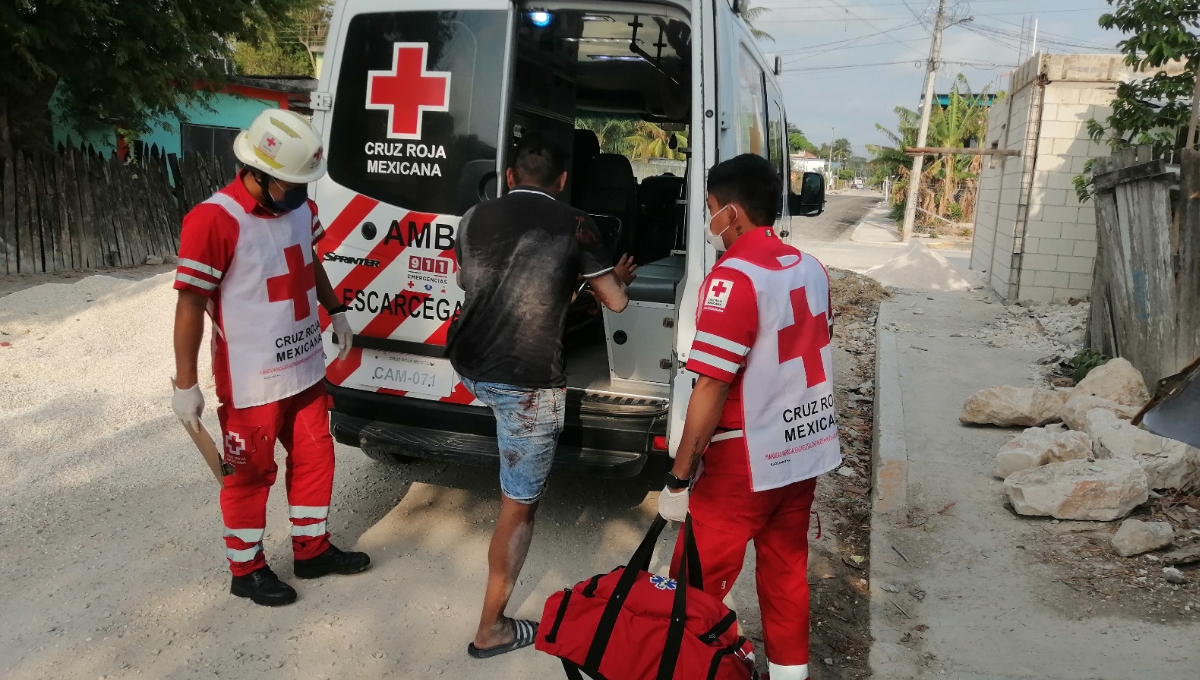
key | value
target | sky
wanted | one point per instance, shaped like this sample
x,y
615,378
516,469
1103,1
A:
x,y
849,63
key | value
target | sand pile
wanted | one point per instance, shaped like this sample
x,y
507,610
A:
x,y
85,382
918,267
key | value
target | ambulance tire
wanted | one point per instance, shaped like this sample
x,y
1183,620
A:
x,y
386,453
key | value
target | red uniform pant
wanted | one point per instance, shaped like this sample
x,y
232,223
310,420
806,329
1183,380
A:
x,y
301,424
726,515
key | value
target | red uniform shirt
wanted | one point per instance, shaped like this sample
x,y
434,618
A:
x,y
206,250
727,318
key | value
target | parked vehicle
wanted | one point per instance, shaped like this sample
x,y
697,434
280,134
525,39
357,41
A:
x,y
419,104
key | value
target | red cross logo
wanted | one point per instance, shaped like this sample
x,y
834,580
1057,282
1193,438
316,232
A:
x,y
719,289
295,284
271,141
805,339
407,90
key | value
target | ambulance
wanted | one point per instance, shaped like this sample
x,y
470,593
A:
x,y
420,105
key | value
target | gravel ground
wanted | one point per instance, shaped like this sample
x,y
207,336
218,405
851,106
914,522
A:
x,y
112,564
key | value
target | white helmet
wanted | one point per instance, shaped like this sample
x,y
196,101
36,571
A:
x,y
284,145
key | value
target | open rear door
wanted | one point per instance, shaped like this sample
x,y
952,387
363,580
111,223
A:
x,y
411,108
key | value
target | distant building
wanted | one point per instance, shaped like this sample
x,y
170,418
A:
x,y
805,161
206,128
1033,237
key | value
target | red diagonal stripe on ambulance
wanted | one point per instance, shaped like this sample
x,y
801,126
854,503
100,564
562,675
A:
x,y
355,212
360,276
340,369
383,325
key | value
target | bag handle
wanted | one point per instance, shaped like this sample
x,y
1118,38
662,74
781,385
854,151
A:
x,y
689,574
670,656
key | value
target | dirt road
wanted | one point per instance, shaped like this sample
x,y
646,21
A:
x,y
112,561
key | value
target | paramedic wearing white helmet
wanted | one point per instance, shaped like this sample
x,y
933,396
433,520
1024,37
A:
x,y
246,258
762,414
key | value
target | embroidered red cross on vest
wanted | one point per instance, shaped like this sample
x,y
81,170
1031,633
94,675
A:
x,y
805,338
295,284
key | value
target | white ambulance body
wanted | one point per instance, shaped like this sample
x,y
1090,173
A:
x,y
419,105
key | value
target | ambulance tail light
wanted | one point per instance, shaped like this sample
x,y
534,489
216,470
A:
x,y
659,444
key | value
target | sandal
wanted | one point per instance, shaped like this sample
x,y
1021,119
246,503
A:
x,y
524,631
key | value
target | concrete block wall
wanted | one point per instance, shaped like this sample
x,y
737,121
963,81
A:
x,y
1050,254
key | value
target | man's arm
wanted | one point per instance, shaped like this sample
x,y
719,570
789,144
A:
x,y
703,413
610,291
189,333
328,299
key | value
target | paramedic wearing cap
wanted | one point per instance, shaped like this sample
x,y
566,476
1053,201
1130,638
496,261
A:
x,y
761,415
246,258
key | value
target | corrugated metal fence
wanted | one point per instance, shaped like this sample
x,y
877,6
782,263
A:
x,y
76,209
1146,291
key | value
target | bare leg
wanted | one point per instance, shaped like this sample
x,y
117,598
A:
x,y
506,556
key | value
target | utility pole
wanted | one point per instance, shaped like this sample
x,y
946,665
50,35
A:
x,y
914,178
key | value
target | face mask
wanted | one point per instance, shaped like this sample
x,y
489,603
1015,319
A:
x,y
715,240
292,198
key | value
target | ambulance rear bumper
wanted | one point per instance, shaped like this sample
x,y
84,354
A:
x,y
605,445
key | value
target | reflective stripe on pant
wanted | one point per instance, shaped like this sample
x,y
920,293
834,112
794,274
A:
x,y
301,424
726,515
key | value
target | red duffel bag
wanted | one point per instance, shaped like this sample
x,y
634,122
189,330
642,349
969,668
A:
x,y
630,624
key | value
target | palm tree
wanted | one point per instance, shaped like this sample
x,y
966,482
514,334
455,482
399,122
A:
x,y
651,141
611,132
753,14
963,119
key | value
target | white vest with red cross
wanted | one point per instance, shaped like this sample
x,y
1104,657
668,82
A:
x,y
790,422
269,307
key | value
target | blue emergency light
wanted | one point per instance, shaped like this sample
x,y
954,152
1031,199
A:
x,y
540,19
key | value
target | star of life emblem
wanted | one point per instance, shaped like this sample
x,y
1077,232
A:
x,y
718,294
662,582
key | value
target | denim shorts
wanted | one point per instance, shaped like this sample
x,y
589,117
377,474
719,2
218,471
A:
x,y
528,422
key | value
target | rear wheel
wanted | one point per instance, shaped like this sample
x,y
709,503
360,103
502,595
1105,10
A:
x,y
387,453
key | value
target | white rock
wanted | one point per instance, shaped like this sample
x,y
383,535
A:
x,y
1136,537
1008,406
154,260
1038,446
1101,490
171,259
1175,576
1116,381
1169,464
1074,412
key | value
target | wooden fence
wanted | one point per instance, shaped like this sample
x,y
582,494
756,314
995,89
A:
x,y
76,209
1146,291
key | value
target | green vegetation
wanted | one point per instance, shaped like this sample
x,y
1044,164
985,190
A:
x,y
1154,110
636,139
949,184
285,46
116,64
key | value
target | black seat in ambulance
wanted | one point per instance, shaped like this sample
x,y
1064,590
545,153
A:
x,y
586,148
660,218
611,190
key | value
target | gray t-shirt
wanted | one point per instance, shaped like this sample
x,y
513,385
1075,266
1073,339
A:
x,y
520,256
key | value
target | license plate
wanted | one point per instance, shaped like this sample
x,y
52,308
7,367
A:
x,y
408,373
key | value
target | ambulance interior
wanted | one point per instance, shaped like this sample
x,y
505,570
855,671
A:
x,y
588,67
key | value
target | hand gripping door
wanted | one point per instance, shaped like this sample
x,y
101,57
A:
x,y
610,626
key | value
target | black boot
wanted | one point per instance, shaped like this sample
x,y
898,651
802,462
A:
x,y
332,561
263,587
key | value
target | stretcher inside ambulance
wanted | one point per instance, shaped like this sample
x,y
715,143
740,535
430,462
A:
x,y
420,105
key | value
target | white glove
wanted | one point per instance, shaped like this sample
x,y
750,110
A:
x,y
673,505
344,333
188,406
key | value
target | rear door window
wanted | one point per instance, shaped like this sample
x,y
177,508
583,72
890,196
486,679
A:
x,y
416,117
